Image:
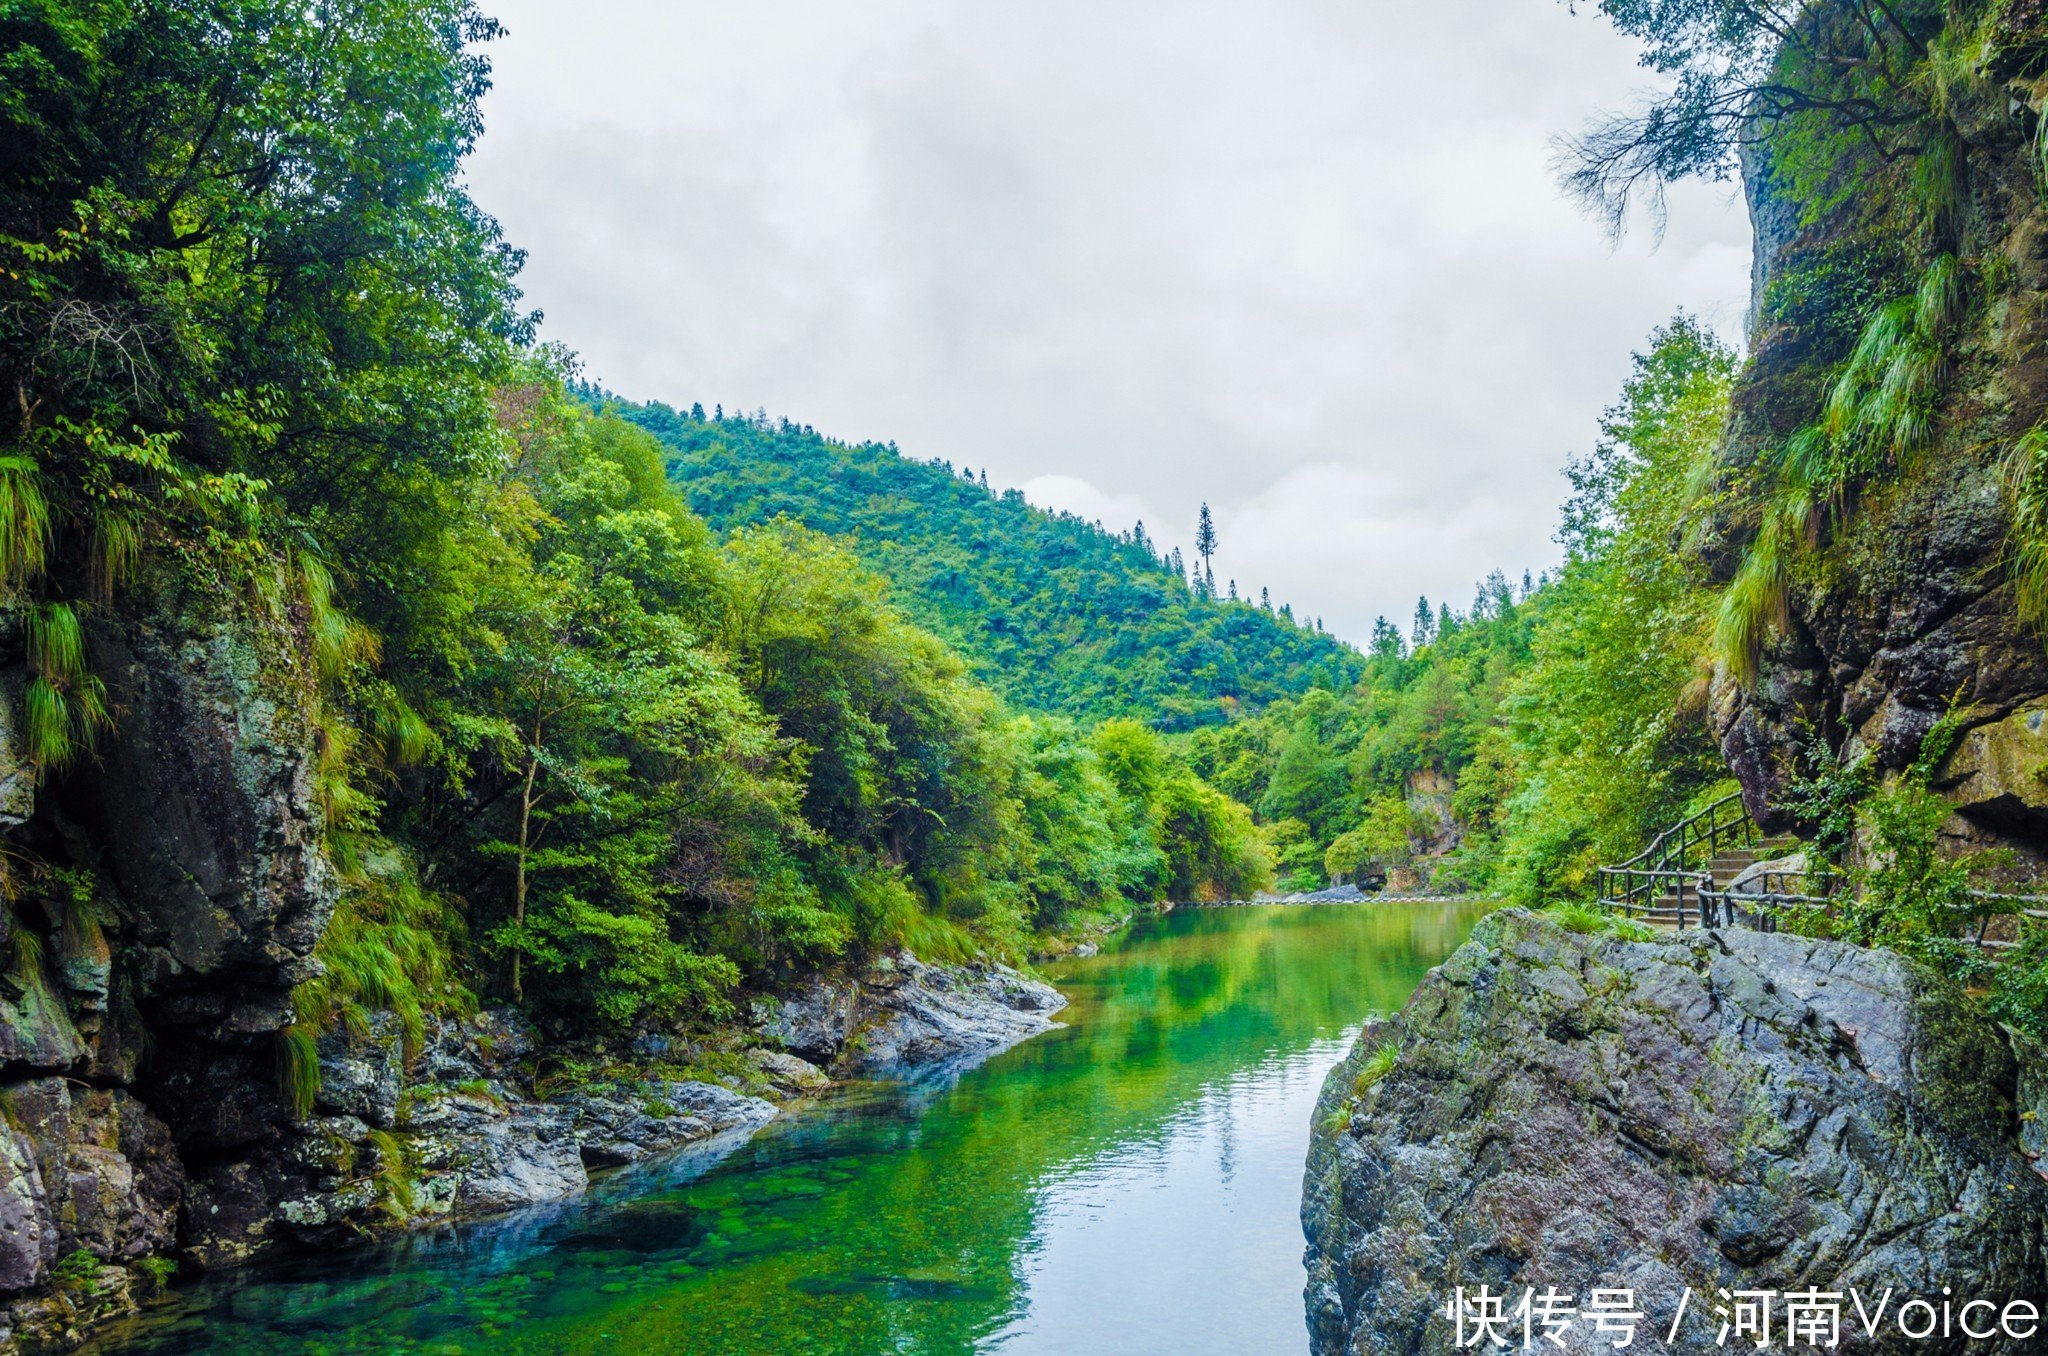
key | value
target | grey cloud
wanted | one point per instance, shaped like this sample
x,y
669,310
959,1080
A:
x,y
1303,259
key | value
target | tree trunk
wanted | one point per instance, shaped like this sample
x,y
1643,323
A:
x,y
519,865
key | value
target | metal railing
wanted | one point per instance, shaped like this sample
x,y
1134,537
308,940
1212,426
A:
x,y
1675,871
1777,892
1676,863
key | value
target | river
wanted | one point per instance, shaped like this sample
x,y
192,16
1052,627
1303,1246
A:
x,y
1126,1184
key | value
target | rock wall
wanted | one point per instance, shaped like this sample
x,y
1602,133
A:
x,y
1909,607
1720,1110
163,901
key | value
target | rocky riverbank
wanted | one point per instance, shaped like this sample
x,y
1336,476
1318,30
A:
x,y
904,1017
1715,1111
467,1125
469,1128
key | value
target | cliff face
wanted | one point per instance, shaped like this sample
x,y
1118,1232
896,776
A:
x,y
1907,606
162,903
1738,1111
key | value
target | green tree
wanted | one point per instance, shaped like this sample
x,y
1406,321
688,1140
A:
x,y
1743,71
1423,630
1608,725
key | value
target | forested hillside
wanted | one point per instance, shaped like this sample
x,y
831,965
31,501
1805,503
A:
x,y
1507,747
1055,613
356,676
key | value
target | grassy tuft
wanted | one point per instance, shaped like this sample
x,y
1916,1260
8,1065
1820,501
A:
x,y
389,948
24,522
340,642
1375,1069
78,1270
298,1069
2026,480
393,1175
888,916
25,954
56,643
1942,299
1757,603
1584,919
406,737
64,705
1879,413
47,722
1941,182
116,552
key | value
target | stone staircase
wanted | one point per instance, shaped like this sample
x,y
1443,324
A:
x,y
1724,866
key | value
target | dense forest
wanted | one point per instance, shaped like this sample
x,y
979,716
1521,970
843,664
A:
x,y
1481,749
266,362
1056,613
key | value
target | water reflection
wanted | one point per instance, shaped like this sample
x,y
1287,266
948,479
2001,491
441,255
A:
x,y
1128,1183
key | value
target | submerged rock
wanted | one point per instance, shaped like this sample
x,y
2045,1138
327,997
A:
x,y
1721,1110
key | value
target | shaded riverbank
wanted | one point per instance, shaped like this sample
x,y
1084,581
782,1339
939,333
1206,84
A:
x,y
1129,1180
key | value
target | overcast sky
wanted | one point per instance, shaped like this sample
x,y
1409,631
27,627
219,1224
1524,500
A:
x,y
1303,259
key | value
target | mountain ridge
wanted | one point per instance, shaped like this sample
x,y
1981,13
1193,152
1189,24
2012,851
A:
x,y
1058,614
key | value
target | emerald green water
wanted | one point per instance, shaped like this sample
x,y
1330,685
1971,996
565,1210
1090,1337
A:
x,y
1126,1184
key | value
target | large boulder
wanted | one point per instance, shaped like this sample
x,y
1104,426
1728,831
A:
x,y
621,1123
1722,1110
363,1073
36,1030
903,1015
813,1021
483,1155
485,1046
914,1017
82,1169
28,1236
109,1168
1998,772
